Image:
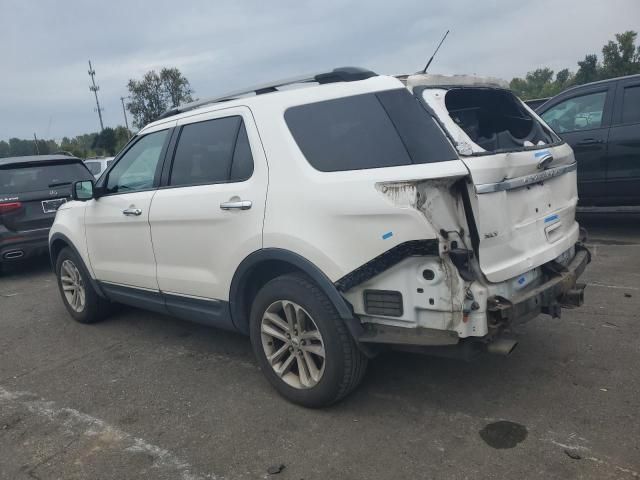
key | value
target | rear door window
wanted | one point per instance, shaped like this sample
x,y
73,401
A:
x,y
385,129
631,105
212,151
34,178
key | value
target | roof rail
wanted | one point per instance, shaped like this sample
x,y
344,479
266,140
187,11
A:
x,y
342,74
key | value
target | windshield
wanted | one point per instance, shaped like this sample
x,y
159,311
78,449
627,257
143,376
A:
x,y
40,177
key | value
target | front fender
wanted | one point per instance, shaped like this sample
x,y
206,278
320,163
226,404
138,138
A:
x,y
69,228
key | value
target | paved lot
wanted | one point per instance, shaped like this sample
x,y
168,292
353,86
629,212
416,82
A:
x,y
147,396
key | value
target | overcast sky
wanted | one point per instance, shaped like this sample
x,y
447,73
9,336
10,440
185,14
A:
x,y
225,45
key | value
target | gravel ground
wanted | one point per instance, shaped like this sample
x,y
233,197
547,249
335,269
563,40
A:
x,y
147,396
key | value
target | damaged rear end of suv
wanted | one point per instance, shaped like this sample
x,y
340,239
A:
x,y
504,245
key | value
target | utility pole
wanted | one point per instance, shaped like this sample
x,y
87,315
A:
x,y
35,139
124,112
94,88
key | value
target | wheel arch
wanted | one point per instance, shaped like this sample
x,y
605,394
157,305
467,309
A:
x,y
57,242
268,263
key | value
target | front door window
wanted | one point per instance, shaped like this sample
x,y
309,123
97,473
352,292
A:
x,y
136,169
577,113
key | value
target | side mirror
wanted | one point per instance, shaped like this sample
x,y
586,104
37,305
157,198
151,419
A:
x,y
82,191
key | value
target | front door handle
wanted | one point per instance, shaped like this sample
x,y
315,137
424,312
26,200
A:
x,y
236,205
132,212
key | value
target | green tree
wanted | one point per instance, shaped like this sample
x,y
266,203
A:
x,y
123,135
20,148
4,149
621,57
176,87
105,142
80,146
156,93
541,83
588,70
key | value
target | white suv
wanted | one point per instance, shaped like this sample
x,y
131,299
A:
x,y
330,217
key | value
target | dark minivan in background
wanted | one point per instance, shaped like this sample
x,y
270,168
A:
x,y
31,190
601,122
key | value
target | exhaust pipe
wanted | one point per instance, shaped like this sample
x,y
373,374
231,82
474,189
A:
x,y
13,254
574,297
502,346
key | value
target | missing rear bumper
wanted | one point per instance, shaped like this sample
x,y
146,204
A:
x,y
560,291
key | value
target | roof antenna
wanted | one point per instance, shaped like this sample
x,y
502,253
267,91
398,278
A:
x,y
434,53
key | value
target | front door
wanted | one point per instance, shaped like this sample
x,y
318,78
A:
x,y
208,214
582,120
117,224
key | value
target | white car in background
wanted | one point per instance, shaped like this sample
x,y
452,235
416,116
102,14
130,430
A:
x,y
97,166
331,221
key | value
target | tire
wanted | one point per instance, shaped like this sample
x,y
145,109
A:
x,y
336,374
93,308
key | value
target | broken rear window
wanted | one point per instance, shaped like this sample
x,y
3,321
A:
x,y
495,119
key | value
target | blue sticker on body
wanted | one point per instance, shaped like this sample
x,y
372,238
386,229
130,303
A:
x,y
521,280
387,235
550,218
541,153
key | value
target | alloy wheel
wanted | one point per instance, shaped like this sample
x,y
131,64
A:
x,y
72,286
293,344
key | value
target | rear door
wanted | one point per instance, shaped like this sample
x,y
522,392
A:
x,y
36,190
209,213
623,173
117,224
582,118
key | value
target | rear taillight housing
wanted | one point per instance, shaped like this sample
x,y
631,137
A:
x,y
9,207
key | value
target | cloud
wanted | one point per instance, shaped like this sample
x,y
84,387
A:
x,y
227,44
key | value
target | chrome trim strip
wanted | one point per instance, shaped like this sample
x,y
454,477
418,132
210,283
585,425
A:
x,y
512,183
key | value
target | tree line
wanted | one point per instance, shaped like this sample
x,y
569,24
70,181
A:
x,y
620,57
160,91
105,143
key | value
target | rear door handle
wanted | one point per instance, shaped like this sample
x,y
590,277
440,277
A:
x,y
590,141
132,212
236,205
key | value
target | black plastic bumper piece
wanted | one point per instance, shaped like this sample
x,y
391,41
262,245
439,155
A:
x,y
22,245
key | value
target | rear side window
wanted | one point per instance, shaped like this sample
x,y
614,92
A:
x,y
213,151
41,177
375,130
631,105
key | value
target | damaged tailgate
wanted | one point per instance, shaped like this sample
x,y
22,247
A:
x,y
522,191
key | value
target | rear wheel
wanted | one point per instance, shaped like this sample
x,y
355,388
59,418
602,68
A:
x,y
301,343
76,289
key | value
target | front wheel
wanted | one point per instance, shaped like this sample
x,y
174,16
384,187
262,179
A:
x,y
302,344
78,295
